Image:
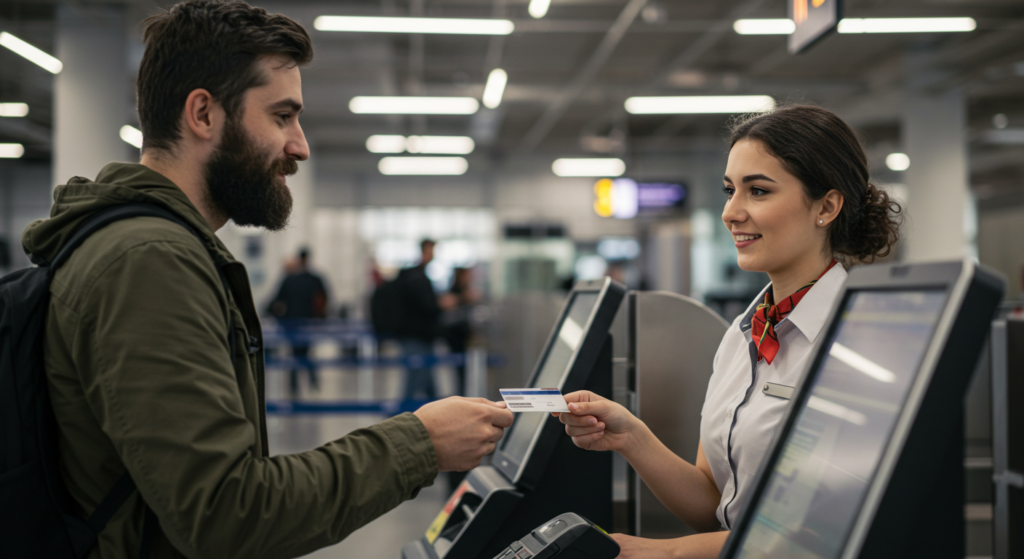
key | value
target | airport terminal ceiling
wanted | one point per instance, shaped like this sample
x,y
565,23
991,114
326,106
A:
x,y
570,71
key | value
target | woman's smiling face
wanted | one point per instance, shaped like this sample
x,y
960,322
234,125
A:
x,y
773,222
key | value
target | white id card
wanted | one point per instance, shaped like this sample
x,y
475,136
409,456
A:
x,y
534,399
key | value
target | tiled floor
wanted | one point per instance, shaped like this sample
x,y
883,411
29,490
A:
x,y
384,537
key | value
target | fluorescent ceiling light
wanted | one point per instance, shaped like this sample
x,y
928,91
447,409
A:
x,y
447,145
539,8
11,151
13,109
30,52
413,105
907,25
423,165
132,135
495,88
382,143
897,161
589,167
862,25
698,104
453,145
360,24
764,26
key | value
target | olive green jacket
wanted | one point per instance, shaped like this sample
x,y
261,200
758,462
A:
x,y
142,377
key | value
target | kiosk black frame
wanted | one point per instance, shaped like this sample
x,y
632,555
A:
x,y
526,471
913,503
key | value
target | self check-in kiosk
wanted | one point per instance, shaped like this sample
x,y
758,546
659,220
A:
x,y
868,462
518,491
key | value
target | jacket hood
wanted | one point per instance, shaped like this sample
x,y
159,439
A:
x,y
117,183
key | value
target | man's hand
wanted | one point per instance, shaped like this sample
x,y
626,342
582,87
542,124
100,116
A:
x,y
464,430
595,423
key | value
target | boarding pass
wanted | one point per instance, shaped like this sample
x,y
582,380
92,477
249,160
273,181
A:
x,y
534,399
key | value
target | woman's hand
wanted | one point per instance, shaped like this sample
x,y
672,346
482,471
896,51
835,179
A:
x,y
595,423
633,547
698,546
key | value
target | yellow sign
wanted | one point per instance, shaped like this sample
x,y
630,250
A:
x,y
603,204
438,524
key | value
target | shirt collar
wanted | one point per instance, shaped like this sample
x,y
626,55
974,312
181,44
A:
x,y
809,316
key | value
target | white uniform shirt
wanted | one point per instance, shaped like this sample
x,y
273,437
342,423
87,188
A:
x,y
739,421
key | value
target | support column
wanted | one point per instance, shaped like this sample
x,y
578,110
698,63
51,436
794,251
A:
x,y
938,201
92,95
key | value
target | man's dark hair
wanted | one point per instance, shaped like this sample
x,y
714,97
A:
x,y
427,242
213,45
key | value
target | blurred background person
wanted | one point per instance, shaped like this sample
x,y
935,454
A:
x,y
420,322
301,299
458,330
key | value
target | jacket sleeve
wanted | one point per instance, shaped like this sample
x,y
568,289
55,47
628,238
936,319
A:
x,y
156,370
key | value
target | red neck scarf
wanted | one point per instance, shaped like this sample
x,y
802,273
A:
x,y
768,314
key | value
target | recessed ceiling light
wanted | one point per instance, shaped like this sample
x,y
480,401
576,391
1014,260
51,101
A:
x,y
699,104
31,53
764,26
11,151
13,109
131,135
495,88
414,105
423,165
360,24
897,161
538,8
589,167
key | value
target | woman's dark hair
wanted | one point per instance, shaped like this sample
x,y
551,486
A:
x,y
213,45
821,150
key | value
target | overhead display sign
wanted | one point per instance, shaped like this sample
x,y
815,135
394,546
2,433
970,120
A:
x,y
814,19
625,198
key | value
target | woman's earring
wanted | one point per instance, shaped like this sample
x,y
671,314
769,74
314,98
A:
x,y
821,222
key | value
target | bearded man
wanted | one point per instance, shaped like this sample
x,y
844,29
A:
x,y
152,345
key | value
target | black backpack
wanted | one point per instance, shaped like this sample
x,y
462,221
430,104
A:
x,y
35,506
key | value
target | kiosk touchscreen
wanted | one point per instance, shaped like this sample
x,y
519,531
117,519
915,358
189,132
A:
x,y
868,462
518,491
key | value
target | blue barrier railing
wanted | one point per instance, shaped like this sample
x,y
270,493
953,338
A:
x,y
305,407
407,361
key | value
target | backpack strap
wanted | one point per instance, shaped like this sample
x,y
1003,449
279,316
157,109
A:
x,y
111,503
125,486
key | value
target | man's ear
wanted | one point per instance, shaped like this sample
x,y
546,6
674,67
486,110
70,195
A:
x,y
203,116
831,204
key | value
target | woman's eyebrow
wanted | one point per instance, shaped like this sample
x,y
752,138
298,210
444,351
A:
x,y
758,177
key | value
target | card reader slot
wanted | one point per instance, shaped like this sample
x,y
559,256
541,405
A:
x,y
463,512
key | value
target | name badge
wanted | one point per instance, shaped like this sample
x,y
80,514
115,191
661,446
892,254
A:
x,y
778,390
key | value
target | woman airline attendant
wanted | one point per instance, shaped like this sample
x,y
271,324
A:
x,y
800,208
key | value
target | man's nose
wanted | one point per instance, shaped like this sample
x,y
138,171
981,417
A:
x,y
297,147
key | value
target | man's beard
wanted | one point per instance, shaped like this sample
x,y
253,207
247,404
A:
x,y
242,182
